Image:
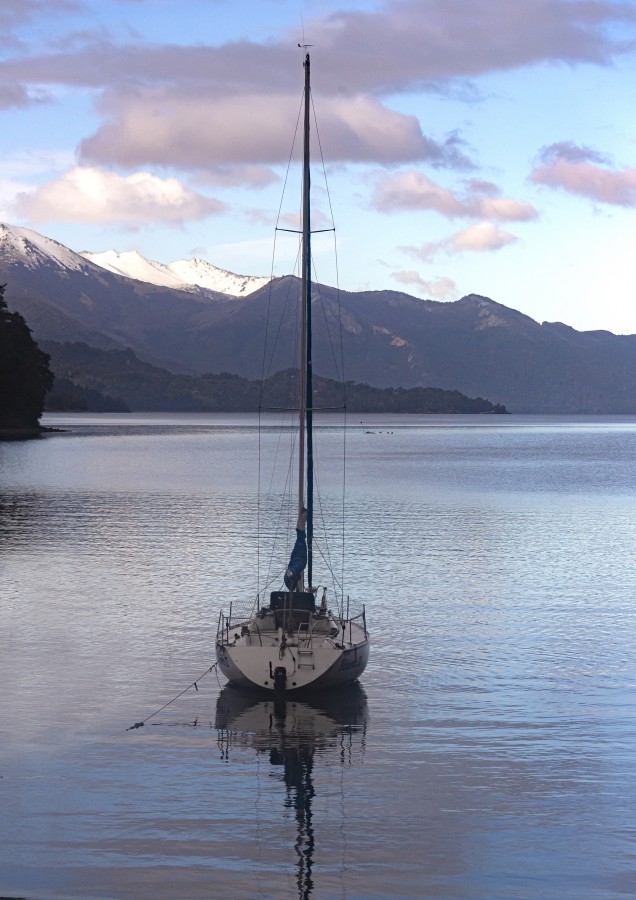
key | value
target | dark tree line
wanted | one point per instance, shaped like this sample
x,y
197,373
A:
x,y
25,376
122,380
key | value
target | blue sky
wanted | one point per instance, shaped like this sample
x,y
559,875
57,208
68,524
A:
x,y
471,146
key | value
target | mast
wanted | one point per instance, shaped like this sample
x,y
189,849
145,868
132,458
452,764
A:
x,y
306,468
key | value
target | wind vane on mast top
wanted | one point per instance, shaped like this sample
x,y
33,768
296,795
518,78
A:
x,y
304,46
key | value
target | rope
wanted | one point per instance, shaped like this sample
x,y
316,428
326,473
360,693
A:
x,y
339,365
180,694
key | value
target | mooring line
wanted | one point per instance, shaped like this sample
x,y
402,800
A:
x,y
180,694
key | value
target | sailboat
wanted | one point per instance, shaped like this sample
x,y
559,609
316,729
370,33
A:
x,y
292,643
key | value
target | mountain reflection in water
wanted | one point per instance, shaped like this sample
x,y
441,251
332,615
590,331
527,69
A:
x,y
499,755
291,733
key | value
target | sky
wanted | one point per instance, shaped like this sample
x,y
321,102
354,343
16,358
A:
x,y
469,146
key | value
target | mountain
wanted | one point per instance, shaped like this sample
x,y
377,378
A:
x,y
64,296
474,345
113,380
183,274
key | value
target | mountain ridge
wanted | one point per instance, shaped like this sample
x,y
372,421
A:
x,y
474,345
182,274
117,378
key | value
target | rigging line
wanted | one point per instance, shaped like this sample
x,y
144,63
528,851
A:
x,y
327,563
281,319
267,318
335,253
286,492
267,314
327,328
341,341
322,159
344,491
335,585
180,694
326,559
339,305
311,230
289,161
340,376
278,215
325,535
333,229
284,505
339,369
271,581
258,502
281,431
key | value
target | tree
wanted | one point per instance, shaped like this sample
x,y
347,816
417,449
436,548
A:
x,y
25,376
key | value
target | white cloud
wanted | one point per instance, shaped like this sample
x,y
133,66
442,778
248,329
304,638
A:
x,y
94,196
580,171
412,190
441,288
480,237
202,106
202,131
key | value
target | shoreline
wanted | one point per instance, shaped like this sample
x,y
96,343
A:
x,y
27,433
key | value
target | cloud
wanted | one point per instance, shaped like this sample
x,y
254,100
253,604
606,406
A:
x,y
17,12
480,237
404,45
173,104
226,176
578,171
293,220
94,196
438,288
17,95
15,15
412,190
571,152
400,46
162,126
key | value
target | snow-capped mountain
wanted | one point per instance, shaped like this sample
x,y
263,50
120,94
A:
x,y
65,296
474,345
183,274
30,249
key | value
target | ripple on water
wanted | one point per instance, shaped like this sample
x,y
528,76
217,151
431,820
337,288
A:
x,y
491,753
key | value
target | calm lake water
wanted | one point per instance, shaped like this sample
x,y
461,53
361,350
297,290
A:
x,y
490,750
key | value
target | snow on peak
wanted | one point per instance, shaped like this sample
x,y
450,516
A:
x,y
133,265
183,274
31,248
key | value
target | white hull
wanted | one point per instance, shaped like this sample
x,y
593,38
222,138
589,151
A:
x,y
272,660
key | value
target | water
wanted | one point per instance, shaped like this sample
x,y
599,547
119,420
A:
x,y
490,751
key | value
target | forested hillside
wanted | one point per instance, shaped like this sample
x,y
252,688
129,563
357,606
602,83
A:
x,y
25,375
139,386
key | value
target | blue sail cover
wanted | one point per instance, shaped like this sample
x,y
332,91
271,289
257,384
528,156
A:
x,y
297,560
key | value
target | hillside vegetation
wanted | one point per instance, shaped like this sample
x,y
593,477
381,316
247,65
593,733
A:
x,y
126,381
25,375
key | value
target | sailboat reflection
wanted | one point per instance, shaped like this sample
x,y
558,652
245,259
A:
x,y
294,732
